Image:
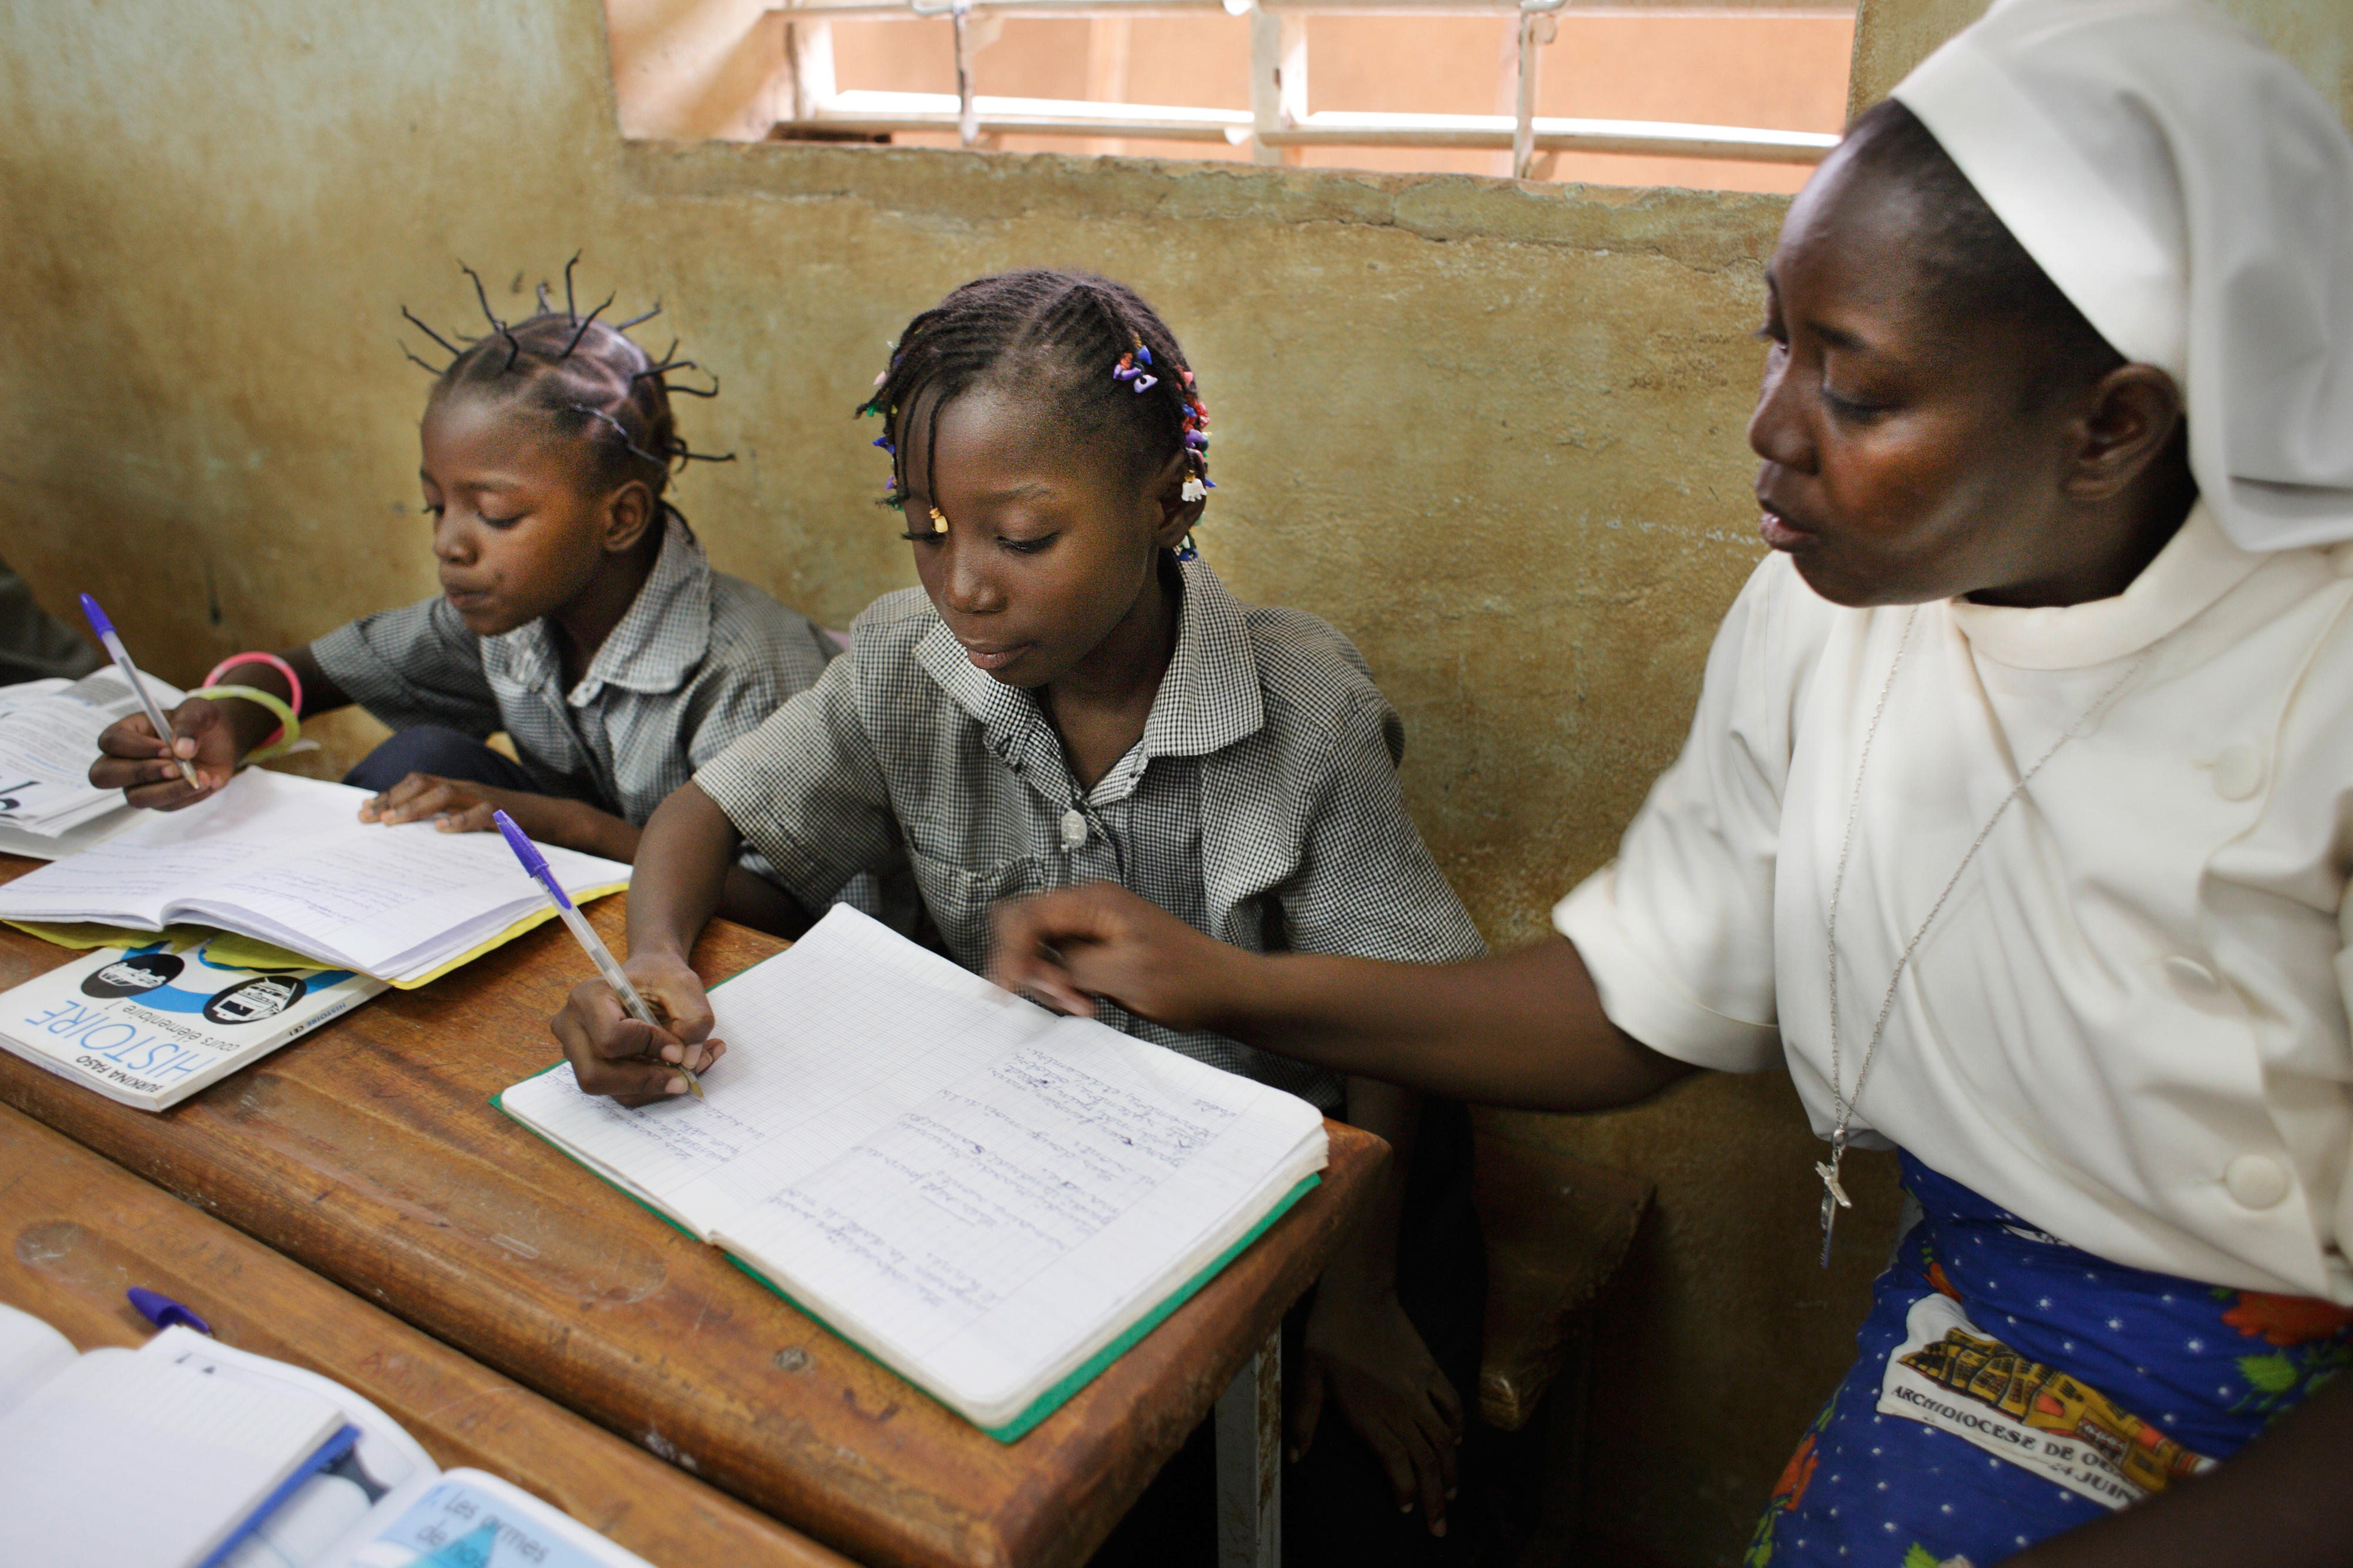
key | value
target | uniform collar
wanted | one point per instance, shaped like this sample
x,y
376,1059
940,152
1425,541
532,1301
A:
x,y
1209,698
2197,567
655,647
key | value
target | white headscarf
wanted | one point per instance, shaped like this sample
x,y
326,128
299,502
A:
x,y
2193,196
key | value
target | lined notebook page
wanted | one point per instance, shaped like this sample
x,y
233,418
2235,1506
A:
x,y
980,1192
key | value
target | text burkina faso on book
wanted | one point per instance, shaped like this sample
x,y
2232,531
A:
x,y
150,1025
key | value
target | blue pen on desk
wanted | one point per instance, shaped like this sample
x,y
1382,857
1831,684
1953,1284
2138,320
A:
x,y
105,630
163,1311
606,964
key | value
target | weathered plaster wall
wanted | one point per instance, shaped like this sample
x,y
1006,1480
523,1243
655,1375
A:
x,y
1493,432
2316,35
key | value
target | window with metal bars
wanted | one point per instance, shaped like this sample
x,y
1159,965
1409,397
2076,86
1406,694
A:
x,y
1739,94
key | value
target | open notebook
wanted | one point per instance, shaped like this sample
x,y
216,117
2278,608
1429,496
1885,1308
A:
x,y
287,861
990,1200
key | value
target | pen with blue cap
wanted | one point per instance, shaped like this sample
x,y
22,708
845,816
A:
x,y
606,964
122,656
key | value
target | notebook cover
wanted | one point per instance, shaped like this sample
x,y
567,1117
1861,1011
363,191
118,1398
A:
x,y
1046,1404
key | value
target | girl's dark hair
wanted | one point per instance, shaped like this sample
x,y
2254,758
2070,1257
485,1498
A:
x,y
584,376
1972,263
1058,337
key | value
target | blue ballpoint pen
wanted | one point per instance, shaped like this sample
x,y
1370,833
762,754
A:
x,y
105,630
163,1311
606,964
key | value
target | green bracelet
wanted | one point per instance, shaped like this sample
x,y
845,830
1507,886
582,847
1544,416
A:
x,y
278,705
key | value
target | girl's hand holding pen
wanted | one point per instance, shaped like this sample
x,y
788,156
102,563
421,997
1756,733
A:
x,y
134,759
613,1054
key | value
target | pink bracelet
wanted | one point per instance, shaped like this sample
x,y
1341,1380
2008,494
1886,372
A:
x,y
293,682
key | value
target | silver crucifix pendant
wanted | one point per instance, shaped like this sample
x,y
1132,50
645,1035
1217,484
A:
x,y
1834,1196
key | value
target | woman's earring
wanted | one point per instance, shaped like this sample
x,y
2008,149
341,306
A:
x,y
1186,551
939,520
1194,490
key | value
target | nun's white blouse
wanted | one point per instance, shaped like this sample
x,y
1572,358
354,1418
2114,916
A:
x,y
2128,1024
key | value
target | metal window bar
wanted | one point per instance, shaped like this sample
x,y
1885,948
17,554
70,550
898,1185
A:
x,y
1278,120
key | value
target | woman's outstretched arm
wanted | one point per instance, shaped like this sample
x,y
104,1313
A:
x,y
1522,1029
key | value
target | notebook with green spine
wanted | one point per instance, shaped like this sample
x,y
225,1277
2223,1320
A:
x,y
992,1201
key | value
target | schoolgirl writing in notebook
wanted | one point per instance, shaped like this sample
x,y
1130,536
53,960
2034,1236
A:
x,y
2017,818
1072,695
577,614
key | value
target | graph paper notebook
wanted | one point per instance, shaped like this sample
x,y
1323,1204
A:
x,y
990,1200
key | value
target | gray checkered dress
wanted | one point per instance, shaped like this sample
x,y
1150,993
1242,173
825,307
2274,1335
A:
x,y
699,660
1260,807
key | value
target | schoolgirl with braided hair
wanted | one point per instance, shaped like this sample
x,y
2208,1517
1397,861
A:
x,y
577,614
1071,696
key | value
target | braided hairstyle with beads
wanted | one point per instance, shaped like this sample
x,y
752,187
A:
x,y
586,378
1103,361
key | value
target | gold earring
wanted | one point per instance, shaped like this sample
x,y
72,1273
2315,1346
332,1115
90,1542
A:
x,y
939,520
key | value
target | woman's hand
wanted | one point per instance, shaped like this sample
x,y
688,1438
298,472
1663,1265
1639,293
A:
x,y
613,1054
133,759
453,806
1364,1356
1066,947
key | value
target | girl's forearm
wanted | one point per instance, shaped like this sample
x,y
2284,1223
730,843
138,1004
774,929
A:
x,y
754,901
683,856
1525,1028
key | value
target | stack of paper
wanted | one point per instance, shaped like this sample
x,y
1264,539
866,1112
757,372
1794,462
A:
x,y
287,861
48,738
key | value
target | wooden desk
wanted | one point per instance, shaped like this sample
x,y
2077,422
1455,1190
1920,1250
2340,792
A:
x,y
369,1151
81,1229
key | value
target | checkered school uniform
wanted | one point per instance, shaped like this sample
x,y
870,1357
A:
x,y
699,660
1260,807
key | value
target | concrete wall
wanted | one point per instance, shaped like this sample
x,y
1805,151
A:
x,y
1495,432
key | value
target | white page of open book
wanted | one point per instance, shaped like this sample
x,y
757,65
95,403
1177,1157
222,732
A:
x,y
31,1352
287,859
190,1457
48,739
981,1194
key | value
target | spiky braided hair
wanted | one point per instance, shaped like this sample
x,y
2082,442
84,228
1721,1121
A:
x,y
584,376
1055,336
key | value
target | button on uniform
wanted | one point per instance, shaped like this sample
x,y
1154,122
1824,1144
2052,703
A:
x,y
2238,772
1075,828
2256,1181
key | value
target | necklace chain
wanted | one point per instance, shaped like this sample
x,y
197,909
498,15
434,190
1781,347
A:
x,y
1841,1104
